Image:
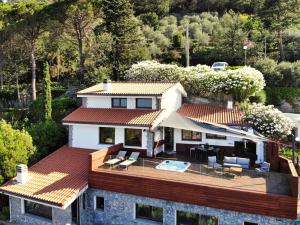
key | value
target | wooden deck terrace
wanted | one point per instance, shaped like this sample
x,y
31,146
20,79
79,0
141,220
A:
x,y
270,196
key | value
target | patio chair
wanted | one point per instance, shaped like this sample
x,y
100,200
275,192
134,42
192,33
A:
x,y
119,157
264,168
212,162
132,159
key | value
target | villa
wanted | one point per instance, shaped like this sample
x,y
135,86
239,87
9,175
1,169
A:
x,y
144,153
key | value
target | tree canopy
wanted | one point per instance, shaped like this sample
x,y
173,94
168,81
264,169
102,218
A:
x,y
15,147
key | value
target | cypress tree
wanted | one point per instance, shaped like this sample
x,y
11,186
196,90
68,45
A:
x,y
47,93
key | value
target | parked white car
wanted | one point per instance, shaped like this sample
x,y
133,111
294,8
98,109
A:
x,y
219,66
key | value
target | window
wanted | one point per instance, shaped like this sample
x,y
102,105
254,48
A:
x,y
106,135
133,137
149,212
188,218
250,223
38,209
191,135
119,102
99,203
215,136
145,103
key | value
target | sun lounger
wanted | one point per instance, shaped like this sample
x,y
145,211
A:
x,y
120,157
132,159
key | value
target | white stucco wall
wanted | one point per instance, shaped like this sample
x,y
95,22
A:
x,y
87,136
98,102
105,101
171,100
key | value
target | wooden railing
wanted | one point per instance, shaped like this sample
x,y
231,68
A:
x,y
97,158
286,166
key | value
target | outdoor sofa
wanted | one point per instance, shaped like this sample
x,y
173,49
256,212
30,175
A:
x,y
236,162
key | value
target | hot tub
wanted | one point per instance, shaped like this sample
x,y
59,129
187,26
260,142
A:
x,y
172,165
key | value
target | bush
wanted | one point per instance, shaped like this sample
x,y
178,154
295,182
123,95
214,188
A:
x,y
15,147
288,153
259,97
47,137
268,68
201,80
61,106
276,95
268,121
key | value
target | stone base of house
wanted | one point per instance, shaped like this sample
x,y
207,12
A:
x,y
18,215
119,209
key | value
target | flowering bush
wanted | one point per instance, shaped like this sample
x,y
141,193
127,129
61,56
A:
x,y
201,80
268,120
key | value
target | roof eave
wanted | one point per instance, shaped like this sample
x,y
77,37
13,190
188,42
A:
x,y
111,124
114,94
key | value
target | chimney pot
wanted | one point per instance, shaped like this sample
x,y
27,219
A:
x,y
22,173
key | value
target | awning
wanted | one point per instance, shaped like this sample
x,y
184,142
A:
x,y
175,120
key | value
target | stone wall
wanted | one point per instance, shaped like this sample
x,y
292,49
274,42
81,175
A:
x,y
119,209
59,216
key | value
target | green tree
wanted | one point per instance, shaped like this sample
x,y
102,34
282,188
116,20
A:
x,y
15,147
80,23
278,15
127,46
233,37
159,7
30,21
47,93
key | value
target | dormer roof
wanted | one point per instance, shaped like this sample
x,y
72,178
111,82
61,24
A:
x,y
132,88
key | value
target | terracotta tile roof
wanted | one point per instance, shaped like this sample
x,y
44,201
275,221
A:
x,y
130,88
55,179
133,117
212,114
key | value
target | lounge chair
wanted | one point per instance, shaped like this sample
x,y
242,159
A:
x,y
212,162
264,168
132,159
119,157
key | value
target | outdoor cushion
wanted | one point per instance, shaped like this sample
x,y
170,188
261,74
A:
x,y
230,160
242,161
232,165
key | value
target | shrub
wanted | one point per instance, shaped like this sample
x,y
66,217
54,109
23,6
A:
x,y
288,153
15,147
268,68
259,97
276,95
61,106
200,80
268,120
47,136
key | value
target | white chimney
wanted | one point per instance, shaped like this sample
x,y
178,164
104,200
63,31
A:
x,y
106,85
230,104
22,173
